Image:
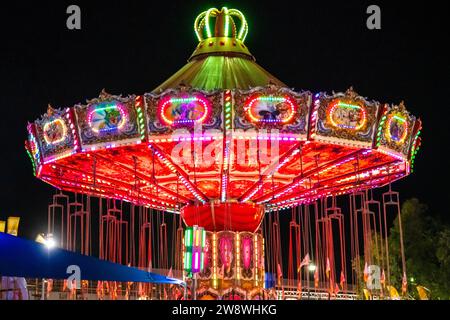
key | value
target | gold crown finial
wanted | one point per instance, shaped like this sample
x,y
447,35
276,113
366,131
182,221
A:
x,y
225,24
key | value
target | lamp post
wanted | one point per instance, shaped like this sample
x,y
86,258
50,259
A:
x,y
311,269
49,242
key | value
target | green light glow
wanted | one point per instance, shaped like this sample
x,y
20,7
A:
x,y
32,161
201,261
272,99
350,106
400,119
107,107
188,237
188,261
208,29
203,22
227,21
196,28
244,26
182,100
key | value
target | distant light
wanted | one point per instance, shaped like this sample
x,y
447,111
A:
x,y
50,243
412,279
312,267
46,240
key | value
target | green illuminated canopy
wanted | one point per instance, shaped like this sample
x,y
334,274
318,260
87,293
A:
x,y
221,59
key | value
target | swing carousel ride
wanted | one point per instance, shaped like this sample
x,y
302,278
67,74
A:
x,y
193,177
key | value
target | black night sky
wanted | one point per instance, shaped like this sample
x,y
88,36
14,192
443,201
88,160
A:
x,y
132,46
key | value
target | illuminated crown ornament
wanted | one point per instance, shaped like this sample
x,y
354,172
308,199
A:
x,y
224,26
225,35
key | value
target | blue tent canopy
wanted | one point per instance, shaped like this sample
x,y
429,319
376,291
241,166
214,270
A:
x,y
29,259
